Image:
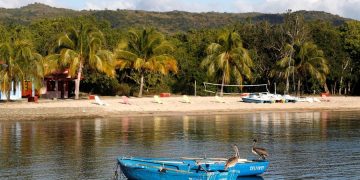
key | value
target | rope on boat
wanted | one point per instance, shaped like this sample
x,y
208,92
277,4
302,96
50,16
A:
x,y
116,173
199,165
203,168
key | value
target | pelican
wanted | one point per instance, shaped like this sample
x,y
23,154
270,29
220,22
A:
x,y
234,159
259,151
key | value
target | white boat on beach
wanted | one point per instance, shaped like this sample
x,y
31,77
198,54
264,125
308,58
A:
x,y
276,98
292,99
259,98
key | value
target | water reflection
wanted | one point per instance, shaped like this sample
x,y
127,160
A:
x,y
301,144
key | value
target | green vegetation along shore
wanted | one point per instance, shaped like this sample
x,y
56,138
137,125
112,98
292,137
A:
x,y
127,52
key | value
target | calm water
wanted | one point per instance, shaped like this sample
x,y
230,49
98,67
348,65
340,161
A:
x,y
303,145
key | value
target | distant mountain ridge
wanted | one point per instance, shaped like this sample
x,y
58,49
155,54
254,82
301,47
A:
x,y
166,21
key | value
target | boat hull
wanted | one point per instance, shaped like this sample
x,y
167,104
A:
x,y
178,169
256,100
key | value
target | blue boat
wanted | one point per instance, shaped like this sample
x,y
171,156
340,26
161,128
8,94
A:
x,y
189,168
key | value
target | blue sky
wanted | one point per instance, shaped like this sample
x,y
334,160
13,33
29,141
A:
x,y
345,8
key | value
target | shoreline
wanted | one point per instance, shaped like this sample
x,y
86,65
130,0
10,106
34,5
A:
x,y
172,106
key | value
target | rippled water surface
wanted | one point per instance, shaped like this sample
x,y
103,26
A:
x,y
313,145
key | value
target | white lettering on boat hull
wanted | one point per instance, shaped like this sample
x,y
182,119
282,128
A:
x,y
257,168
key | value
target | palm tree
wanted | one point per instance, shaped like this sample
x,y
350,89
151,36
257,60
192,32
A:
x,y
285,66
43,66
83,46
309,60
147,52
312,62
228,57
19,63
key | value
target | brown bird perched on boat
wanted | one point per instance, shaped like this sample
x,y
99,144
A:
x,y
234,159
259,151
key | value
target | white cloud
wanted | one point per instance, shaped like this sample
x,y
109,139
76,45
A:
x,y
244,6
113,4
159,5
154,5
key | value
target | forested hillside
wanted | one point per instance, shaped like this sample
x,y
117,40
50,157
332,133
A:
x,y
173,21
300,52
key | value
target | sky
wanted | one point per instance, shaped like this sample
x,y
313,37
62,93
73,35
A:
x,y
345,8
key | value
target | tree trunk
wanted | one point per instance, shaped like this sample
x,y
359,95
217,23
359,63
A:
x,y
345,91
293,80
287,86
8,92
56,88
222,85
326,88
8,96
331,86
298,87
293,71
340,85
77,82
287,76
141,85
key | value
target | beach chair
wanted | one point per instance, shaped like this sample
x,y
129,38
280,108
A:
x,y
186,99
219,99
157,99
125,100
99,101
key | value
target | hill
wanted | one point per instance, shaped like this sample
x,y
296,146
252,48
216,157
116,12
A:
x,y
166,21
31,12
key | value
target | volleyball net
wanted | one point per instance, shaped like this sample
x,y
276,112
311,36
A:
x,y
235,88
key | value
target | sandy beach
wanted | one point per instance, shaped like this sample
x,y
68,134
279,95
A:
x,y
69,109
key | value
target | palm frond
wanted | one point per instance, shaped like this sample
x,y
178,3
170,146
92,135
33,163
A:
x,y
229,57
122,45
66,42
147,51
67,56
164,48
312,61
284,62
163,64
139,63
96,62
74,66
125,55
213,48
221,60
238,76
103,61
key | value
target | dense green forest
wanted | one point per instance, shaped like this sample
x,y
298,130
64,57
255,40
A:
x,y
128,52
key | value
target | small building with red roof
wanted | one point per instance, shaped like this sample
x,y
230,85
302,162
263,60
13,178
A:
x,y
58,85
